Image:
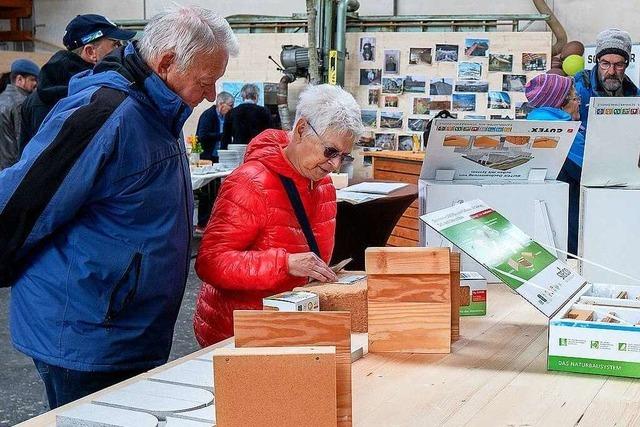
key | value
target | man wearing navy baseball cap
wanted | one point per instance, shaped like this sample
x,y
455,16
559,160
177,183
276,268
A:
x,y
23,81
88,39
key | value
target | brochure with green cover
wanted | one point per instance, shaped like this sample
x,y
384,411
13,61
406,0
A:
x,y
505,250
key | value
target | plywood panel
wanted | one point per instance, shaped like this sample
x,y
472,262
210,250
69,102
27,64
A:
x,y
395,176
412,168
284,387
430,288
287,329
407,261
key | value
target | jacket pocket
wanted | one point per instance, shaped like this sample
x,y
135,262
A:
x,y
124,290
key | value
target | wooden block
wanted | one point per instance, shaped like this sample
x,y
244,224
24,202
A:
x,y
576,314
271,386
432,288
409,327
295,329
90,415
623,295
407,261
455,295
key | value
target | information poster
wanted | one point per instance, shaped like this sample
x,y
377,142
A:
x,y
612,146
497,149
506,251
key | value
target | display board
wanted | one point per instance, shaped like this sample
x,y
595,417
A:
x,y
505,250
492,149
612,145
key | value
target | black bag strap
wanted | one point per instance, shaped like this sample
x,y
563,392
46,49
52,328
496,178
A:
x,y
301,215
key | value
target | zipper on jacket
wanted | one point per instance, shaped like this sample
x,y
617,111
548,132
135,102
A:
x,y
135,263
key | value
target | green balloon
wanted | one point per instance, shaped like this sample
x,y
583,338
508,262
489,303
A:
x,y
573,64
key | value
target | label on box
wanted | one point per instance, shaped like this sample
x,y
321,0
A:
x,y
473,294
293,301
506,251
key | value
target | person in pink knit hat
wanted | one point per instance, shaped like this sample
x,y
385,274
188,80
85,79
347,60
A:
x,y
554,97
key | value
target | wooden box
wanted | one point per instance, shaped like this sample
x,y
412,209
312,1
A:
x,y
275,387
409,299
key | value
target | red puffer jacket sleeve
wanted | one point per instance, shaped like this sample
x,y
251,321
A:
x,y
224,258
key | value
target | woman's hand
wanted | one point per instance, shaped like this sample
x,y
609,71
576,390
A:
x,y
308,264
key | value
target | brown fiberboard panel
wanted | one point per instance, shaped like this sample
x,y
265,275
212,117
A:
x,y
275,387
408,260
455,295
294,329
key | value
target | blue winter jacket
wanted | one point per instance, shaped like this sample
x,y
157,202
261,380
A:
x,y
576,152
95,223
587,86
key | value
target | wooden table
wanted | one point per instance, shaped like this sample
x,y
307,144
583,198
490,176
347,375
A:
x,y
495,376
403,166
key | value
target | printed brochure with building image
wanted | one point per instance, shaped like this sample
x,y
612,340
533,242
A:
x,y
502,248
497,149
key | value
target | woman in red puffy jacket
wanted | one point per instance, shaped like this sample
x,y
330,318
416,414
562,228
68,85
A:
x,y
254,245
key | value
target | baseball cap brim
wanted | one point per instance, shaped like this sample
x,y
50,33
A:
x,y
118,34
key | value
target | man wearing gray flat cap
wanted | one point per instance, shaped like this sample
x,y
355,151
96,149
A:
x,y
607,78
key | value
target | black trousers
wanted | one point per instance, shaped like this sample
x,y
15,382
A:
x,y
570,173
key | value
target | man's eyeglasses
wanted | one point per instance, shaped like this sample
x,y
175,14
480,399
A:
x,y
330,152
618,66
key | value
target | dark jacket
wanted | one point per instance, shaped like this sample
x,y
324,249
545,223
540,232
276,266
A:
x,y
588,85
95,223
243,123
10,101
53,85
209,133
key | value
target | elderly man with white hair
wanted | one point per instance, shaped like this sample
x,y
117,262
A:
x,y
95,219
273,225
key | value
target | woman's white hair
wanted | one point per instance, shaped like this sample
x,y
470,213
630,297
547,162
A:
x,y
187,32
330,107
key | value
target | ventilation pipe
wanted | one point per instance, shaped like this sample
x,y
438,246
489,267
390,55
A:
x,y
283,101
556,27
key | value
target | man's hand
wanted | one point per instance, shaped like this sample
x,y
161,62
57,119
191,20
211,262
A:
x,y
308,264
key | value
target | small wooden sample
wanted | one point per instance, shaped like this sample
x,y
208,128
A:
x,y
455,295
275,386
576,314
409,299
610,318
623,295
296,329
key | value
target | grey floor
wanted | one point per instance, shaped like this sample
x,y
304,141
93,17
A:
x,y
21,392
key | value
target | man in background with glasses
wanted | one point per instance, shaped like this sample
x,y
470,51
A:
x,y
607,78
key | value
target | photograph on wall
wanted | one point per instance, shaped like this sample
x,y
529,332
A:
x,y
534,61
366,140
391,61
446,53
522,109
463,102
391,101
392,84
439,105
420,55
235,89
499,100
513,82
421,105
474,86
469,71
441,86
369,118
415,84
374,96
475,117
367,49
417,125
500,117
386,141
391,119
476,47
501,62
370,76
409,142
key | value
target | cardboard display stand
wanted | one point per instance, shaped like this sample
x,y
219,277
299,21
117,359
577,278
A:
x,y
592,328
610,196
510,164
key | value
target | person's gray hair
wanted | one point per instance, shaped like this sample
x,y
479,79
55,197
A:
x,y
330,107
187,32
250,91
226,98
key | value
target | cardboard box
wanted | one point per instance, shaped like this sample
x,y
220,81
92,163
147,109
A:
x,y
473,294
292,301
593,328
540,209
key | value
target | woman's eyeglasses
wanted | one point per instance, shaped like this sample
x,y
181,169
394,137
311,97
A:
x,y
330,152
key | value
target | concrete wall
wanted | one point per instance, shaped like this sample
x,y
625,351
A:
x,y
582,19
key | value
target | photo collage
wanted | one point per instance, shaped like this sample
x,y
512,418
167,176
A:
x,y
403,100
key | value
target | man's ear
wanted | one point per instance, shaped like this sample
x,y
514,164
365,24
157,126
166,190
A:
x,y
89,53
166,61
